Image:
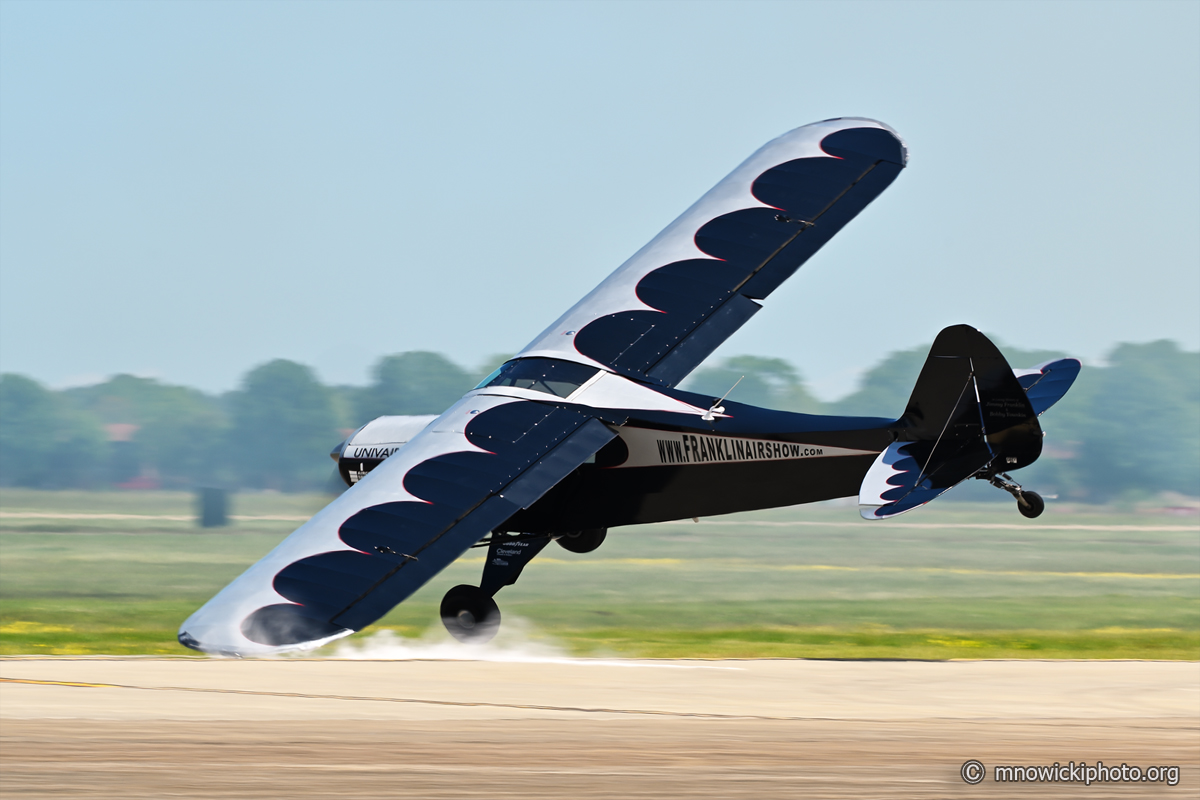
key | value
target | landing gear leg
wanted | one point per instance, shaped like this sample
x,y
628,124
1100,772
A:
x,y
469,612
1030,504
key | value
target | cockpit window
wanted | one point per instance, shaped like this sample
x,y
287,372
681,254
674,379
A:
x,y
549,375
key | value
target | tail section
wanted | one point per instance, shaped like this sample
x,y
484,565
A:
x,y
970,415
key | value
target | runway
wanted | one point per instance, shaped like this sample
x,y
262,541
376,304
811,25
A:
x,y
141,727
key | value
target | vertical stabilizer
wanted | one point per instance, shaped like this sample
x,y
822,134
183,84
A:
x,y
967,414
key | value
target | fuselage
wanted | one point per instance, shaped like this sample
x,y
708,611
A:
x,y
674,457
667,466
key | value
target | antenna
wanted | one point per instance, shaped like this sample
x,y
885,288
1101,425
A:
x,y
717,408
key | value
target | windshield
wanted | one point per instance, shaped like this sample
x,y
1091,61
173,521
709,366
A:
x,y
549,375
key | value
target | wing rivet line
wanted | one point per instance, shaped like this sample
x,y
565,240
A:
x,y
803,223
383,549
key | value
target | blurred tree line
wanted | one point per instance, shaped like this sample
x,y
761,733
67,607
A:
x,y
274,432
1130,427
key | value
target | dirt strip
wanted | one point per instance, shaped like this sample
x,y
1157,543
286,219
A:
x,y
554,728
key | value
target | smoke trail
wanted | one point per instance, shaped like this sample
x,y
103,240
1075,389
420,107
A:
x,y
518,642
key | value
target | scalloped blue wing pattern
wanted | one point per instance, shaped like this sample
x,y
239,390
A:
x,y
384,538
663,311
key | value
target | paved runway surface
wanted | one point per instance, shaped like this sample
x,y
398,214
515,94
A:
x,y
550,728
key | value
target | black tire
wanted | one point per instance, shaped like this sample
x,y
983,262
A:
x,y
470,615
1031,504
583,541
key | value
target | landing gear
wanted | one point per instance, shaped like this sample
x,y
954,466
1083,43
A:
x,y
470,614
583,541
1030,504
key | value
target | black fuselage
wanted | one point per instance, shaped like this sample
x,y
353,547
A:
x,y
666,466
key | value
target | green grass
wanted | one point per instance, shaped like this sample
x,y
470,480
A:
x,y
811,581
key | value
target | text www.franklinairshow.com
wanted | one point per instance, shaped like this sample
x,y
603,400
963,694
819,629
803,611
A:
x,y
688,449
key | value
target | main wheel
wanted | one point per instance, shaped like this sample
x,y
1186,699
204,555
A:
x,y
470,615
583,541
1031,504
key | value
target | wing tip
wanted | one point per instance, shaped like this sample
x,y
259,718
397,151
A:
x,y
870,512
891,148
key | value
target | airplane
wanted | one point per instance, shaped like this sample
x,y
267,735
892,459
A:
x,y
584,430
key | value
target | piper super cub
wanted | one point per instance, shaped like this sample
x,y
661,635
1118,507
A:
x,y
584,429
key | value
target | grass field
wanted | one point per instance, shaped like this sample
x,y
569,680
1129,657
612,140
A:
x,y
947,581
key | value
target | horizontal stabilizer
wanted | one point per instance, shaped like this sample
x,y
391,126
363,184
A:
x,y
900,479
1046,383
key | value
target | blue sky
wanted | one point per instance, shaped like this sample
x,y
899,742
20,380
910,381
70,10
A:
x,y
190,189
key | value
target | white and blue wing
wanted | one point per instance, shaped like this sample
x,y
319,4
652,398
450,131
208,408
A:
x,y
380,541
670,305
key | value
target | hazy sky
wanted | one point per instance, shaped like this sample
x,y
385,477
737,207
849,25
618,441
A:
x,y
190,189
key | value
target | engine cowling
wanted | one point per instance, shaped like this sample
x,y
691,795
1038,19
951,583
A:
x,y
367,447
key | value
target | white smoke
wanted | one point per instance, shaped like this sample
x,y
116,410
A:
x,y
517,642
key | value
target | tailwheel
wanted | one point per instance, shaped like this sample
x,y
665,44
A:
x,y
1030,504
470,614
583,541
